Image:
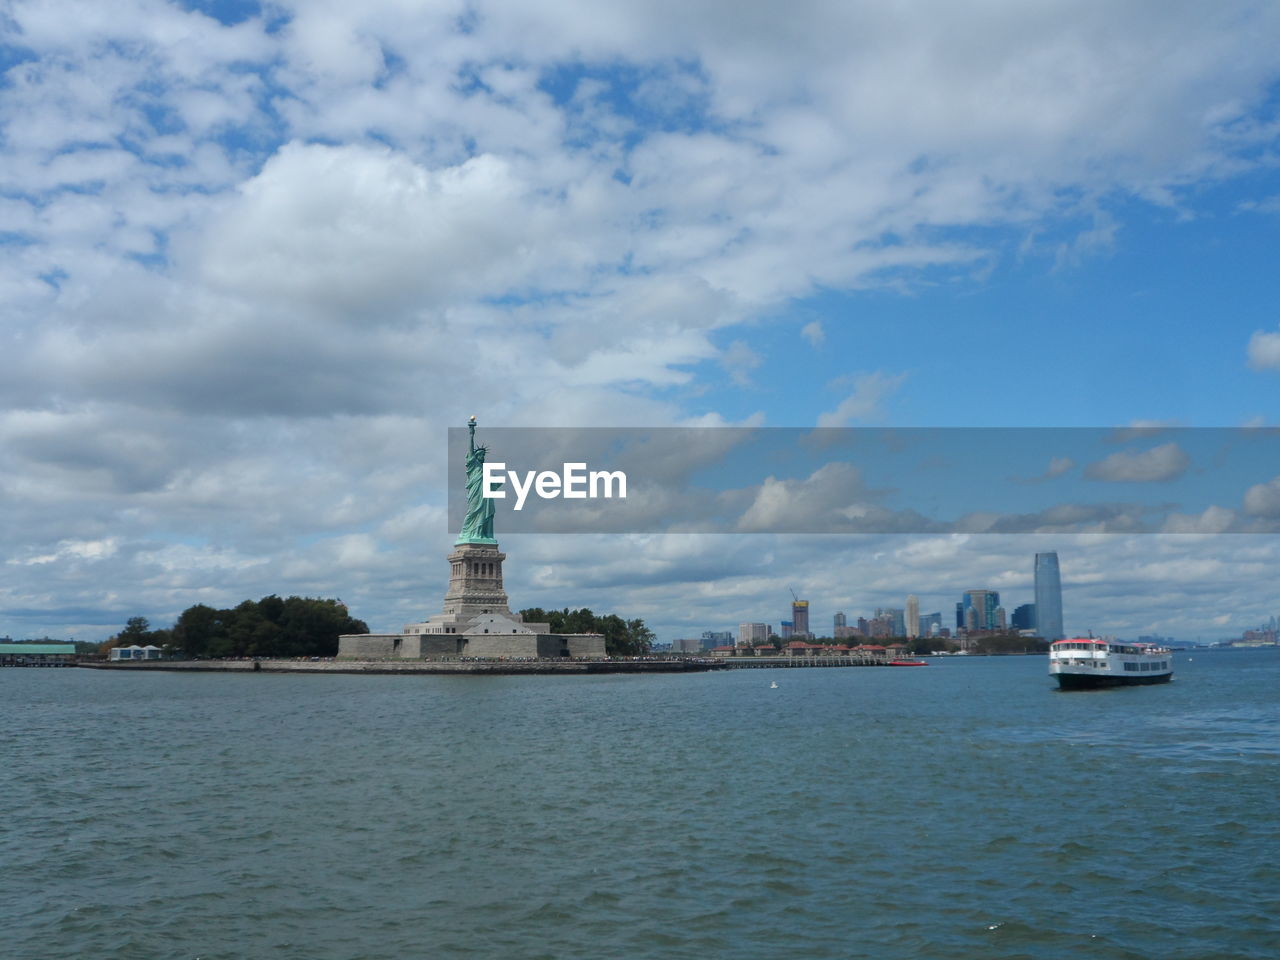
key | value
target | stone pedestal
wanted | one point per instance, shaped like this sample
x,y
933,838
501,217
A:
x,y
475,581
476,622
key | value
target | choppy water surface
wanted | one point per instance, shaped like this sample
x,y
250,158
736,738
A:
x,y
965,810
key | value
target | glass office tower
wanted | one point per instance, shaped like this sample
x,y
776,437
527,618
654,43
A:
x,y
1048,597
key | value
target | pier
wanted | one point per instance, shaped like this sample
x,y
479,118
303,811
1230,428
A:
x,y
763,663
18,662
37,654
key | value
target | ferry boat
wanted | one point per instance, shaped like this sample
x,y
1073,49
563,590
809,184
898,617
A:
x,y
1084,662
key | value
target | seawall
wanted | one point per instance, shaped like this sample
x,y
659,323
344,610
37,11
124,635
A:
x,y
490,667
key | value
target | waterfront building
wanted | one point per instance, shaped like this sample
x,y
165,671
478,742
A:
x,y
787,630
931,624
749,634
135,652
1261,637
716,638
1024,617
1048,596
687,645
913,615
839,621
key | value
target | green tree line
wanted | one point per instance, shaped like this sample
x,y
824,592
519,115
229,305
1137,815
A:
x,y
622,638
270,627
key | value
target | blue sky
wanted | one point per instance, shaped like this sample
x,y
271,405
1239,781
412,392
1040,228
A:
x,y
258,258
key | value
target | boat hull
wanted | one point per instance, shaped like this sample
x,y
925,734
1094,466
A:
x,y
1084,681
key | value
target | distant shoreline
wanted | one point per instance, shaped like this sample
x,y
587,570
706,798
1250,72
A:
x,y
499,667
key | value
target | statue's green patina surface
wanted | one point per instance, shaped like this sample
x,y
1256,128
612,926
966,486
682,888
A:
x,y
478,525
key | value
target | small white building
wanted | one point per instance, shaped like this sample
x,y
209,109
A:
x,y
135,652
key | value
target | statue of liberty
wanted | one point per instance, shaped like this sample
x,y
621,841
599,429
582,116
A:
x,y
478,525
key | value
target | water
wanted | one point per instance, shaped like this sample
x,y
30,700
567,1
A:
x,y
964,810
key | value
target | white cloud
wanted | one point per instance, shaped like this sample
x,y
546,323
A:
x,y
1266,205
832,498
74,550
1210,521
1264,350
814,333
865,400
1165,462
368,232
1263,499
1058,466
740,362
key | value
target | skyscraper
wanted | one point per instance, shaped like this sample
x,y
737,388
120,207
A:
x,y
1024,617
913,615
800,617
840,621
983,603
895,620
1048,596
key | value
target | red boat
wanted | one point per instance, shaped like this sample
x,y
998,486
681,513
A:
x,y
908,663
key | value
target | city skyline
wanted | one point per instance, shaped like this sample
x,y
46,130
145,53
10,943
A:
x,y
990,615
258,257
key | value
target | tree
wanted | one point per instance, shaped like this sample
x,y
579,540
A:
x,y
199,631
270,627
622,638
135,631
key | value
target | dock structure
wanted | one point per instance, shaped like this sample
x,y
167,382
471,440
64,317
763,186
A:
x,y
763,663
37,654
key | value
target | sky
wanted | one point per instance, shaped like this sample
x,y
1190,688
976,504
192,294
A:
x,y
257,258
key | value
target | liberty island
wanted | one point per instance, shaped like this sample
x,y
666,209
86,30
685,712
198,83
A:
x,y
476,620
